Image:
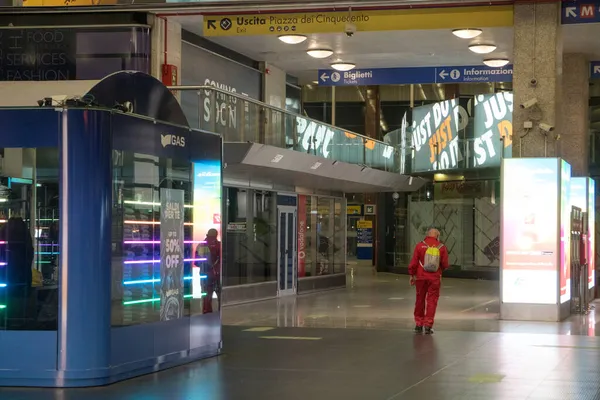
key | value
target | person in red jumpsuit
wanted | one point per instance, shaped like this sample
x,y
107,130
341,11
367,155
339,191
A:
x,y
427,283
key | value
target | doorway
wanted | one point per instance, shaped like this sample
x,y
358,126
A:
x,y
287,273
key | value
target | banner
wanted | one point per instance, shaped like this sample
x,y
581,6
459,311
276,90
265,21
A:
x,y
301,235
435,135
171,254
492,129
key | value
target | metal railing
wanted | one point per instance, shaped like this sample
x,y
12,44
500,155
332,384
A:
x,y
238,118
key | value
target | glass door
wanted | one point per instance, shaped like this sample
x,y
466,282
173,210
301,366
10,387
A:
x,y
286,251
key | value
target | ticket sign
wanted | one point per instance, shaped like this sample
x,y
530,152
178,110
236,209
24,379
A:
x,y
530,255
361,20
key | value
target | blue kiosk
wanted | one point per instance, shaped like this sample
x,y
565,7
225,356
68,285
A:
x,y
109,237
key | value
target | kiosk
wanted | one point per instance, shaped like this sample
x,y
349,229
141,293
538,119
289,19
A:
x,y
107,266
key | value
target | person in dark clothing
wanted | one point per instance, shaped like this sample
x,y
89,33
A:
x,y
211,268
17,252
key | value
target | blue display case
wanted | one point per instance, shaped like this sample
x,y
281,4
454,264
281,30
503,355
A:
x,y
98,315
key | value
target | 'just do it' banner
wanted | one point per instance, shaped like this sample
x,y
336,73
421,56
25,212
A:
x,y
492,129
435,138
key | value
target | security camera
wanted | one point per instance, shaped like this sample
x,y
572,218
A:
x,y
350,30
529,103
546,127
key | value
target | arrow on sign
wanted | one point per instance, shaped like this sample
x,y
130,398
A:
x,y
597,69
324,77
211,24
571,12
443,74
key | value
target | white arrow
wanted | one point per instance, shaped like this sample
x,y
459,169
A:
x,y
571,12
324,77
443,74
597,69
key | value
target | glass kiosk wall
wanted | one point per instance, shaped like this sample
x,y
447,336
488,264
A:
x,y
109,246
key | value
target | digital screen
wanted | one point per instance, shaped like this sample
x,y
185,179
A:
x,y
207,209
591,233
530,221
565,232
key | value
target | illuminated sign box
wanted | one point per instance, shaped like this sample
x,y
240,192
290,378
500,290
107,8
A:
x,y
583,197
535,238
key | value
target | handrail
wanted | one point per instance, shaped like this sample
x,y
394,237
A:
x,y
268,106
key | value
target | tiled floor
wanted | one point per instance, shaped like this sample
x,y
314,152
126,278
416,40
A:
x,y
357,344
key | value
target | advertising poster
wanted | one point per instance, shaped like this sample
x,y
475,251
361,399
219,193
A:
x,y
171,254
364,240
591,233
530,213
565,231
492,129
207,210
301,235
435,131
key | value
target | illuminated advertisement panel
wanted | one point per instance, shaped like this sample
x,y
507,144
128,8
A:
x,y
530,240
565,232
591,233
207,209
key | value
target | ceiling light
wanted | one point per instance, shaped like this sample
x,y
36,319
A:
x,y
343,66
467,33
495,62
319,53
292,39
482,48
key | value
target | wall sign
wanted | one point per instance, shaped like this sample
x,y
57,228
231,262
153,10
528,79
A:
x,y
364,240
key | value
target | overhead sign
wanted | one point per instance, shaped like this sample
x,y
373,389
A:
x,y
357,21
405,76
595,70
574,12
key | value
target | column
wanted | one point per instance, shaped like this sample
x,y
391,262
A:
x,y
166,46
538,67
274,94
574,128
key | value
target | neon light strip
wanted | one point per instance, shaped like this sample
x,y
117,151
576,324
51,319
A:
x,y
47,253
130,222
158,261
149,203
2,306
2,284
2,264
2,242
142,281
158,242
127,303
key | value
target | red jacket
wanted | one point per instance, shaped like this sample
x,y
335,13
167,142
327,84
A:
x,y
416,263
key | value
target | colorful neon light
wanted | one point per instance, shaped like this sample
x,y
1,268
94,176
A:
x,y
132,222
158,242
153,300
158,261
149,203
2,306
2,284
142,281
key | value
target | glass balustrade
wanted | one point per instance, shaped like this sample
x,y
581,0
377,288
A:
x,y
241,119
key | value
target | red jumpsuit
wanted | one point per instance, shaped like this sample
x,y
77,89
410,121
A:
x,y
427,283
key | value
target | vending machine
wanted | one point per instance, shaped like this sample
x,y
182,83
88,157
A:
x,y
579,275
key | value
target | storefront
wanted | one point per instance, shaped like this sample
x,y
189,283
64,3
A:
x,y
107,268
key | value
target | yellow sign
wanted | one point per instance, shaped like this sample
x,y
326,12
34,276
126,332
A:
x,y
364,224
354,210
363,21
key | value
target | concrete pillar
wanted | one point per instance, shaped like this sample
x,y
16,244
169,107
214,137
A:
x,y
171,46
538,64
574,128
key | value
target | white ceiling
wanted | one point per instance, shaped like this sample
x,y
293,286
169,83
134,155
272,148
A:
x,y
387,49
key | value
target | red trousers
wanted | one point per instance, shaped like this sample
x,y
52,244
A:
x,y
428,294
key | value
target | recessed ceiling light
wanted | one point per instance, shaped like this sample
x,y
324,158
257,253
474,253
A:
x,y
495,62
292,39
482,48
343,66
319,53
467,33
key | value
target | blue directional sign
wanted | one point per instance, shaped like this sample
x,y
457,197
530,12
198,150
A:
x,y
595,70
404,76
576,12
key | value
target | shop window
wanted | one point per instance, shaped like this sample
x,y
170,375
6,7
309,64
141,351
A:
x,y
251,237
144,188
29,244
